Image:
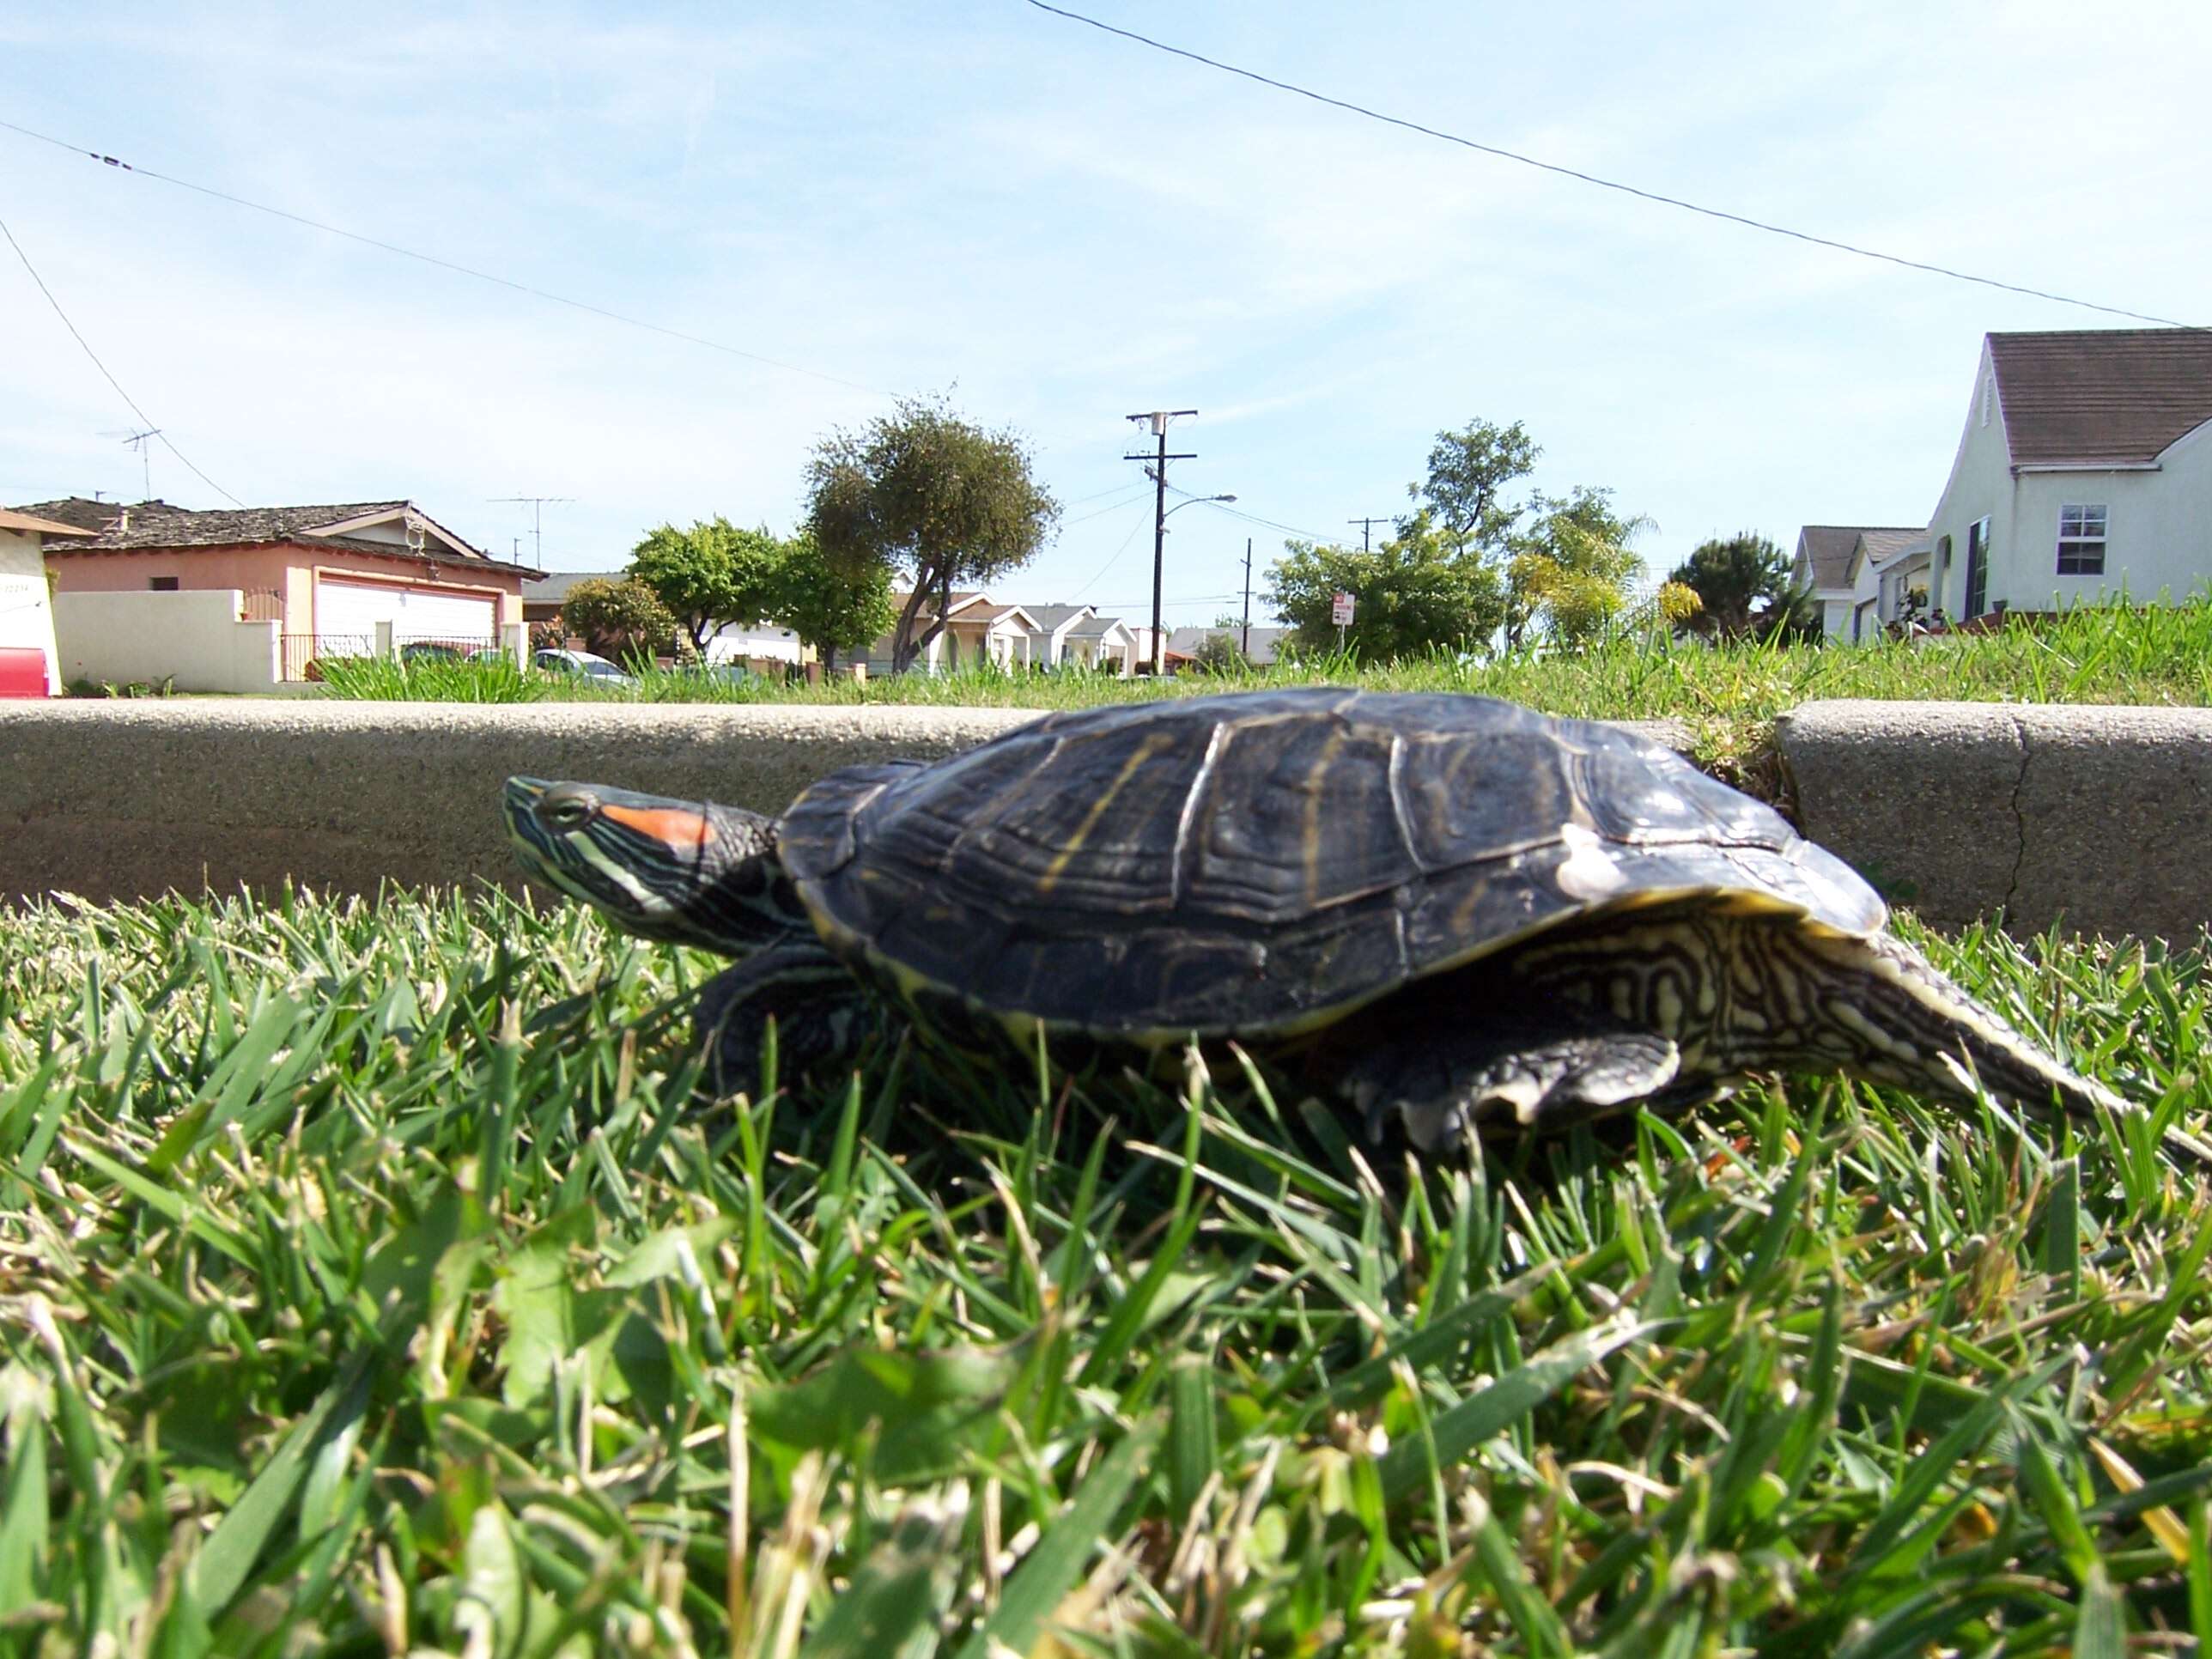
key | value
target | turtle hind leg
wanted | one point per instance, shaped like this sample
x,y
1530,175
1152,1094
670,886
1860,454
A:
x,y
823,1016
1540,1080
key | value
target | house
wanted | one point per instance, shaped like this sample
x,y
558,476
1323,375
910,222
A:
x,y
1823,563
977,630
1259,645
1888,576
2085,469
28,666
331,577
1077,637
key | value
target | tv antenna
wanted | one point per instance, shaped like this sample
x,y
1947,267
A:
x,y
537,505
140,441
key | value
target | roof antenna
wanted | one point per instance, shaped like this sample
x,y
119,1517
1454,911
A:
x,y
140,441
537,505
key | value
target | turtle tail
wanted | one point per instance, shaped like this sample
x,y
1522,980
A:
x,y
1915,1026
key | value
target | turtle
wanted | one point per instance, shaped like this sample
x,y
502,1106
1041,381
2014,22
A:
x,y
1465,915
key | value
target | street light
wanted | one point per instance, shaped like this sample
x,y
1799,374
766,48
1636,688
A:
x,y
1159,557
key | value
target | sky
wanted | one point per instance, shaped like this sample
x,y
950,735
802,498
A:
x,y
1057,227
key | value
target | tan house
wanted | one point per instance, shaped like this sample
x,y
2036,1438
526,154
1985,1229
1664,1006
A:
x,y
977,630
28,667
332,577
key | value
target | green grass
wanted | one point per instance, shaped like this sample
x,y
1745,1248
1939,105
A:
x,y
369,1284
1729,697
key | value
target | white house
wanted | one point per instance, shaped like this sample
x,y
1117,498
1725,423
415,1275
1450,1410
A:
x,y
1887,569
2085,469
27,611
1823,563
1077,637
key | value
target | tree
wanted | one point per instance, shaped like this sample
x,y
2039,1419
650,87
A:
x,y
1219,651
1571,572
925,492
621,619
710,575
1464,494
830,606
1414,594
1743,587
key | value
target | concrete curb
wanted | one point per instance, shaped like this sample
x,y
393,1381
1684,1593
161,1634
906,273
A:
x,y
2095,818
121,800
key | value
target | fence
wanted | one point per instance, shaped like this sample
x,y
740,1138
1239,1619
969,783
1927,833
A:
x,y
303,650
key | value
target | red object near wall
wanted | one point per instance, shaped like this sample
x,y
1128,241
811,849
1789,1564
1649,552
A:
x,y
23,672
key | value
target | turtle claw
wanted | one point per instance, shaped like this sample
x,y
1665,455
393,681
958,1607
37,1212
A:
x,y
1444,1091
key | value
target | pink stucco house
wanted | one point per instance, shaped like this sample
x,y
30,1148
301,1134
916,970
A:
x,y
328,574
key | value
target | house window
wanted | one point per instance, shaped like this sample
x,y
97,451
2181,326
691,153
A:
x,y
161,584
2081,541
1977,568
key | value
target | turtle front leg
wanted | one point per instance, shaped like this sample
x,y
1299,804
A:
x,y
1539,1078
822,1015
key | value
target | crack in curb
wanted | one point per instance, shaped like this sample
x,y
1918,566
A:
x,y
2018,823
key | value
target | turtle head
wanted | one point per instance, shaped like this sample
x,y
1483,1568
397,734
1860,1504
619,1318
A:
x,y
686,873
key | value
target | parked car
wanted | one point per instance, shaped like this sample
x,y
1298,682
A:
x,y
586,664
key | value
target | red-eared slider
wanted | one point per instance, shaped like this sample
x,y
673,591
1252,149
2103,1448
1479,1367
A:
x,y
1461,911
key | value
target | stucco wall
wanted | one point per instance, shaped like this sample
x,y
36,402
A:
x,y
2159,528
192,638
26,620
288,569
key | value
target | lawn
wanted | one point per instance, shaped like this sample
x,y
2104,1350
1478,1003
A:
x,y
370,1284
1728,698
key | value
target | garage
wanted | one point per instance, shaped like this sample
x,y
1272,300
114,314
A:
x,y
352,610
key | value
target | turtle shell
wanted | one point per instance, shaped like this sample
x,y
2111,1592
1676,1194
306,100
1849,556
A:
x,y
1259,863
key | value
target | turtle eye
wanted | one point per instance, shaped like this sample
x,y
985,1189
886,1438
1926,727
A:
x,y
567,812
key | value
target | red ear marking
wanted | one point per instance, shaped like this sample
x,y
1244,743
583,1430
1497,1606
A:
x,y
671,825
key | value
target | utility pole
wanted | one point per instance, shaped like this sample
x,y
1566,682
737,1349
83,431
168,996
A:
x,y
1366,546
537,505
1244,645
1158,419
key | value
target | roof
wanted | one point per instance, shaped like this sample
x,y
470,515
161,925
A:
x,y
119,526
2109,395
1050,617
1879,547
24,521
553,587
1827,548
1095,627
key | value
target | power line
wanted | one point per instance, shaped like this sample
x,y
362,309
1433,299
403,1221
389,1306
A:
x,y
154,430
446,264
1321,536
1141,491
1610,183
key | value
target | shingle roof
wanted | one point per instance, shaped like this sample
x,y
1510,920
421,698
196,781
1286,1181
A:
x,y
1882,545
2101,394
1828,546
1095,627
122,525
1050,617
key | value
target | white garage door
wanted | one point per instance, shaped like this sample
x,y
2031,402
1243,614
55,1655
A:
x,y
351,610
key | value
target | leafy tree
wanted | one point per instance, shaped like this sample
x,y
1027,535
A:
x,y
1743,587
710,575
1219,652
1571,571
1414,595
831,606
924,492
620,619
1464,494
